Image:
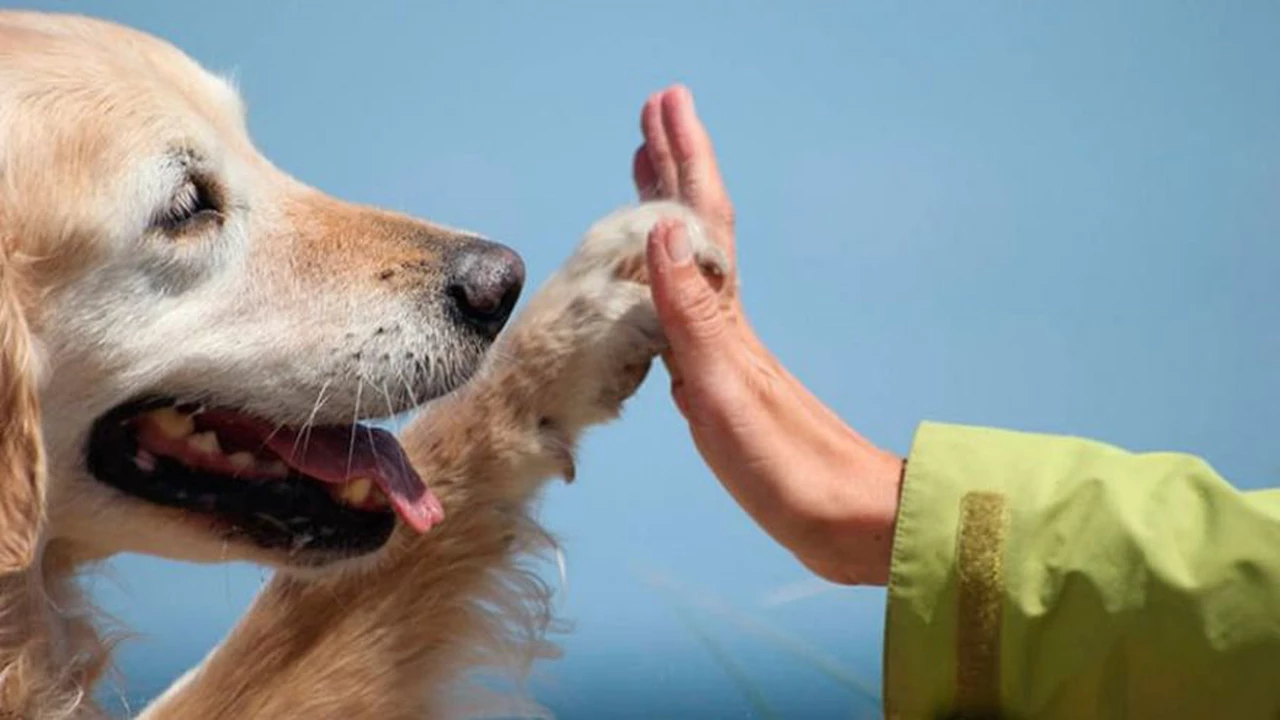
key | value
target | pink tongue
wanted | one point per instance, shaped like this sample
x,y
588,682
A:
x,y
337,455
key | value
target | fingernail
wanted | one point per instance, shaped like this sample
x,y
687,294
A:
x,y
689,94
677,243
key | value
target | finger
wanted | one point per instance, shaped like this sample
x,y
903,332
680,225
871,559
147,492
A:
x,y
659,147
642,173
688,308
697,174
677,378
677,383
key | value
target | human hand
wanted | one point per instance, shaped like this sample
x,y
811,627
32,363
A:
x,y
812,483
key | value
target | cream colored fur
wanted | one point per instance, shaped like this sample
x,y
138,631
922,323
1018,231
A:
x,y
97,308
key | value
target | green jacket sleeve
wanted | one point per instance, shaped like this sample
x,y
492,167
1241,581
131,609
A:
x,y
1050,577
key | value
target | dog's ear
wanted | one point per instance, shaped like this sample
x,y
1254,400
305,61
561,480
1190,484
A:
x,y
22,462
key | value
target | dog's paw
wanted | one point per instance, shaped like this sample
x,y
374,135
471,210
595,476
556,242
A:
x,y
591,333
613,249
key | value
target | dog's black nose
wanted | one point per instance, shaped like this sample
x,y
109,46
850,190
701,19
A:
x,y
485,279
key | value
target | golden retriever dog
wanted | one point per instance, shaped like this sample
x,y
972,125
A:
x,y
191,342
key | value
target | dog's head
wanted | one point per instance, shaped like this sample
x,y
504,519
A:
x,y
199,332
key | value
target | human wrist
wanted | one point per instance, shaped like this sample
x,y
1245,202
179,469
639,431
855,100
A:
x,y
850,532
883,480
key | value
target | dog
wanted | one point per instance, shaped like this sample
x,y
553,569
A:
x,y
193,343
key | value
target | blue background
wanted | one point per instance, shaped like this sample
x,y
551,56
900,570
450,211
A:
x,y
1050,216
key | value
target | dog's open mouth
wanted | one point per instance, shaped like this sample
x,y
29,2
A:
x,y
328,488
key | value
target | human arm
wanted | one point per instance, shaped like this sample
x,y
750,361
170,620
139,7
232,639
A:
x,y
1051,577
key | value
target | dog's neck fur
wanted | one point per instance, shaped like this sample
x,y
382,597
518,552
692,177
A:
x,y
51,654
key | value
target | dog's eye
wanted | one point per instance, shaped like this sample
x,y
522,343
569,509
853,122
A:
x,y
192,207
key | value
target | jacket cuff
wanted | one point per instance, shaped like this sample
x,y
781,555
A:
x,y
948,563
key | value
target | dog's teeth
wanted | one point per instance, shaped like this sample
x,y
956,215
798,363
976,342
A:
x,y
205,442
172,423
357,491
241,460
275,468
271,520
145,461
377,498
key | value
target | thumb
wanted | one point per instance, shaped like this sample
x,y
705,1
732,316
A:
x,y
688,307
